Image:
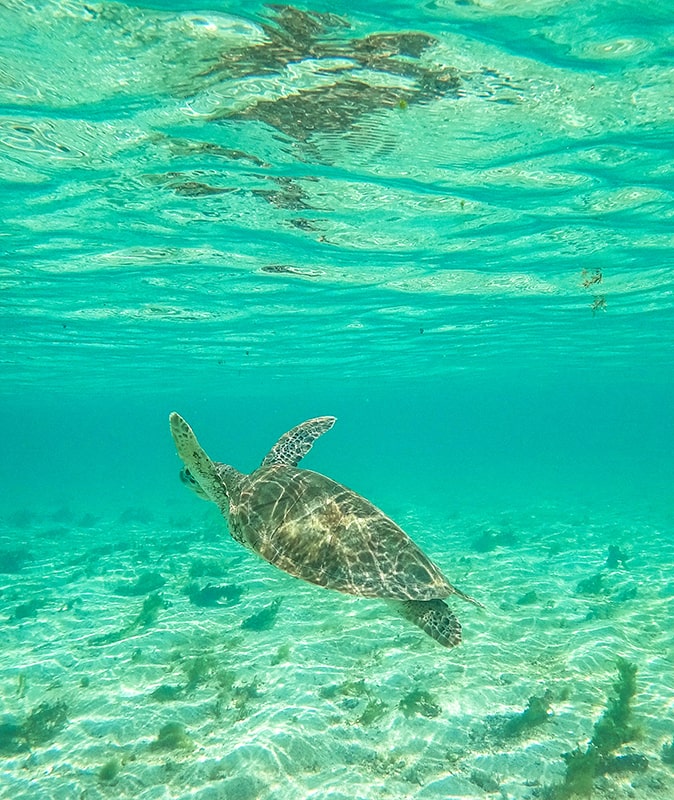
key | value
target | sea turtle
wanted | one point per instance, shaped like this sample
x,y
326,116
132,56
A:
x,y
318,530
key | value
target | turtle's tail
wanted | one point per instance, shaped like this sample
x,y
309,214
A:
x,y
467,597
434,617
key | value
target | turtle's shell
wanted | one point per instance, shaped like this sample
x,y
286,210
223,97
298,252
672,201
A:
x,y
318,530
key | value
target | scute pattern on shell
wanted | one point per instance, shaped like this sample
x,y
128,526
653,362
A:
x,y
320,531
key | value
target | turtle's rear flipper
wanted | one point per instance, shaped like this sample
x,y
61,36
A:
x,y
434,617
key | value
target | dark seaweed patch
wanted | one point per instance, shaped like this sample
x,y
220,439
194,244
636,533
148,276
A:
x,y
40,727
613,729
263,620
210,595
172,736
145,583
14,560
419,701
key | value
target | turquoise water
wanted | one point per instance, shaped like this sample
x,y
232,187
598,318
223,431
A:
x,y
449,224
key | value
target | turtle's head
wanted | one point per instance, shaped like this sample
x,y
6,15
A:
x,y
191,482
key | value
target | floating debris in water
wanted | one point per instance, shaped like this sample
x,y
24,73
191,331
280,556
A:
x,y
199,189
598,304
287,269
591,278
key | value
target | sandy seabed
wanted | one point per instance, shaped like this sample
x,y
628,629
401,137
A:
x,y
155,659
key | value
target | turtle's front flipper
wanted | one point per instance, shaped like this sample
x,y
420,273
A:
x,y
295,444
199,465
434,617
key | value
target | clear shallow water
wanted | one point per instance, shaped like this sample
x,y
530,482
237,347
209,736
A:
x,y
448,224
208,192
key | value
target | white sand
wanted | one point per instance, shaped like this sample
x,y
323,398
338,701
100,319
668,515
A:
x,y
265,723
